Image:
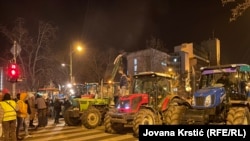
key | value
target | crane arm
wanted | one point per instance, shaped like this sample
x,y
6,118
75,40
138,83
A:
x,y
117,65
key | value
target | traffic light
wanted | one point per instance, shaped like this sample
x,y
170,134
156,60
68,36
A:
x,y
13,72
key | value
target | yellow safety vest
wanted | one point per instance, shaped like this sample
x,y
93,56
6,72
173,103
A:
x,y
9,111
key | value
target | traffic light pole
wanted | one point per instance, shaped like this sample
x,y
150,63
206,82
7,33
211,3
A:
x,y
14,84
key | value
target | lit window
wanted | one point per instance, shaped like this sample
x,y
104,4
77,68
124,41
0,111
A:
x,y
163,63
135,65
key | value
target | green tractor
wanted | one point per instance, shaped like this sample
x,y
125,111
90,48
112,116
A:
x,y
89,109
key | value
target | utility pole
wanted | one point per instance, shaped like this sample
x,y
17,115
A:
x,y
72,50
71,65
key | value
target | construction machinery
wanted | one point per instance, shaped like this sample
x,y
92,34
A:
x,y
214,102
151,93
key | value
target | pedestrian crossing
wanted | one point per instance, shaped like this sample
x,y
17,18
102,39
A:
x,y
60,132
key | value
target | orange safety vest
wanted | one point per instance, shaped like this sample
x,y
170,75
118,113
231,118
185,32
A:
x,y
9,111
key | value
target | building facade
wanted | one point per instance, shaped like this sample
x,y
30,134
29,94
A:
x,y
185,62
147,60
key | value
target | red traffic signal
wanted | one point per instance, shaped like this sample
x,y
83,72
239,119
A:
x,y
13,72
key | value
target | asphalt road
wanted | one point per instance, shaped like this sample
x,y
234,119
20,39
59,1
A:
x,y
60,132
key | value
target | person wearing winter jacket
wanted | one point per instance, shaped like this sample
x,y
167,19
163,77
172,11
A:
x,y
22,114
57,110
41,110
31,101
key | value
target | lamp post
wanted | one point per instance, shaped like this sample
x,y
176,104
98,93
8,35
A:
x,y
72,50
71,64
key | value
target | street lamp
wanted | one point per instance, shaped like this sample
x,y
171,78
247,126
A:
x,y
72,50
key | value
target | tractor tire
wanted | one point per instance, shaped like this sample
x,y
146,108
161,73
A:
x,y
238,116
172,116
103,110
112,127
143,117
71,121
91,118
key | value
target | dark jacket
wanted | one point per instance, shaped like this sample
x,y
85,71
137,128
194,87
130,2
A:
x,y
57,105
123,81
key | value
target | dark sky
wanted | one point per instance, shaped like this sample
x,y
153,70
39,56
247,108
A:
x,y
127,24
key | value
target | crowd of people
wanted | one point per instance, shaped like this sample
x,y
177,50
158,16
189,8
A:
x,y
18,114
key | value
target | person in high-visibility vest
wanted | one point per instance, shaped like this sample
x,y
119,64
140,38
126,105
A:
x,y
8,108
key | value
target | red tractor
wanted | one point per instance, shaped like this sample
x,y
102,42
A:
x,y
152,93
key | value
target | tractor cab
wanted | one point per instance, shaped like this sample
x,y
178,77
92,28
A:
x,y
234,79
156,85
90,90
148,89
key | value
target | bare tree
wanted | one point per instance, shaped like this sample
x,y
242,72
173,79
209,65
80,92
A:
x,y
238,10
156,43
35,57
97,63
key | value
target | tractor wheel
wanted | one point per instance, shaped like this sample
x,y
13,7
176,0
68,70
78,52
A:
x,y
112,127
91,118
143,117
103,110
71,121
238,116
173,114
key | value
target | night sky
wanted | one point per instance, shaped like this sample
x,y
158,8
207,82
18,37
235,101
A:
x,y
127,24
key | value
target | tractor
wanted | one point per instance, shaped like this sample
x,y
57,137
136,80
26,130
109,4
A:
x,y
89,109
216,102
151,92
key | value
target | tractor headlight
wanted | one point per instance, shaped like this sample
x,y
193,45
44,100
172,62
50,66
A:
x,y
208,101
126,106
118,106
247,87
193,101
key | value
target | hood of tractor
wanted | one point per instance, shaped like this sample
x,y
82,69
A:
x,y
208,97
131,103
84,103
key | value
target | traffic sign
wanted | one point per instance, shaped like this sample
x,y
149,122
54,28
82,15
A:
x,y
18,50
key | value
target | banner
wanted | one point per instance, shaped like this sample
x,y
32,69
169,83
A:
x,y
195,132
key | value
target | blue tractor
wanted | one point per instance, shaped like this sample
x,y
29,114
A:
x,y
222,97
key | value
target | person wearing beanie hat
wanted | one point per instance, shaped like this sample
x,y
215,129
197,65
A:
x,y
8,108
